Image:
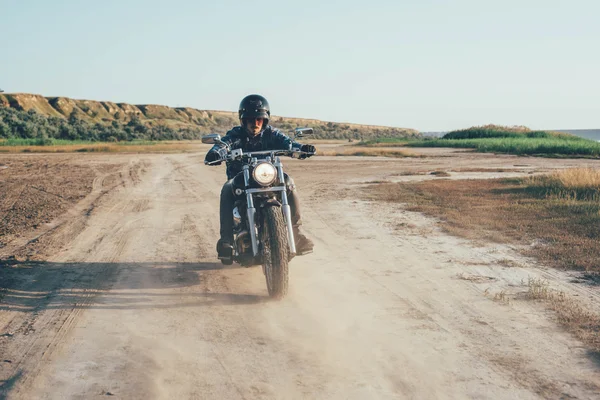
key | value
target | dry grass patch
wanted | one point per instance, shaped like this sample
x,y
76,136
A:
x,y
475,278
316,142
482,170
410,173
582,322
560,232
505,262
440,173
578,178
366,151
373,182
384,144
576,184
501,297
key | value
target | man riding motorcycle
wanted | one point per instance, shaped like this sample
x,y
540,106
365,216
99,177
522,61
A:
x,y
255,134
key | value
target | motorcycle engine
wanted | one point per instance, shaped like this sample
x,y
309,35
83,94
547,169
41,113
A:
x,y
243,242
237,218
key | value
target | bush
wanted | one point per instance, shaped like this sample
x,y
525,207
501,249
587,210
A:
x,y
497,131
16,124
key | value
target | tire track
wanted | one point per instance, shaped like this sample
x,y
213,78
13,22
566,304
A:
x,y
54,316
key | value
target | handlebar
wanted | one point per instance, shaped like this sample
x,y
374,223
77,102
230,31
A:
x,y
213,162
251,154
289,153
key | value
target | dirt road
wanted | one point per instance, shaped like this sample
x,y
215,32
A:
x,y
132,304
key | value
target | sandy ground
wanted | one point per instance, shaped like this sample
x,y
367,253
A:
x,y
129,301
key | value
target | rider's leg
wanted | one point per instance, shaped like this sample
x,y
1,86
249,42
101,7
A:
x,y
226,217
293,200
303,243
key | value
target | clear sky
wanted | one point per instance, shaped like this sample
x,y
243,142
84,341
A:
x,y
431,65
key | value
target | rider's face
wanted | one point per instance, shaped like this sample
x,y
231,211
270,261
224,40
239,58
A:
x,y
254,125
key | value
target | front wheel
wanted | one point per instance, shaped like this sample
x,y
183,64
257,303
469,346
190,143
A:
x,y
276,251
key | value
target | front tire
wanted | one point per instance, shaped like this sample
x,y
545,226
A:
x,y
276,251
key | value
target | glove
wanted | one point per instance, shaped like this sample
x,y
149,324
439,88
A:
x,y
309,148
212,156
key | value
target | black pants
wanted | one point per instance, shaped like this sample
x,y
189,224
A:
x,y
228,198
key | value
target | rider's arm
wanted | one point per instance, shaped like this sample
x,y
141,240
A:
x,y
283,142
220,149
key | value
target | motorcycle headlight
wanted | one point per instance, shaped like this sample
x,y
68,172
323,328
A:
x,y
264,173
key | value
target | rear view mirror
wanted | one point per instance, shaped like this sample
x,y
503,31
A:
x,y
300,132
211,139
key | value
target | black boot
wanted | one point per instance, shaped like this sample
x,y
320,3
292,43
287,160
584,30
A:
x,y
225,252
303,244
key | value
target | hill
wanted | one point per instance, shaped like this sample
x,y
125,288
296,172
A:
x,y
181,118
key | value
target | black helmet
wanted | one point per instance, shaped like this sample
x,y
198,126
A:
x,y
255,106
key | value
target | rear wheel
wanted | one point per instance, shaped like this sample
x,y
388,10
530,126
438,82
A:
x,y
276,251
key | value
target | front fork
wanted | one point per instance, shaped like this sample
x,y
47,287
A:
x,y
287,211
251,212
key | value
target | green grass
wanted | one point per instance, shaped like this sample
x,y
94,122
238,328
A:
x,y
518,140
553,146
42,142
61,142
493,131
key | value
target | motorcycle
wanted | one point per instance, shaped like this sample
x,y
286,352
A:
x,y
262,218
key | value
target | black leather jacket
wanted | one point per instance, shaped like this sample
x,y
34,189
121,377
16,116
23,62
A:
x,y
269,139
